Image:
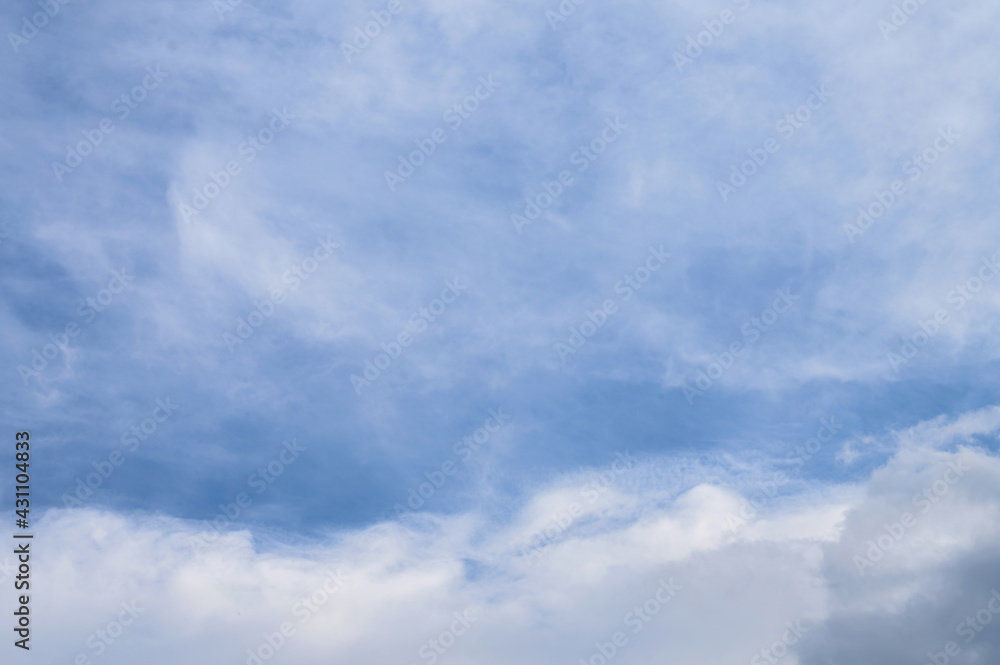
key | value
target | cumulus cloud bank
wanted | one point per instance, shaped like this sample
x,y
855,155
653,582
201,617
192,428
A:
x,y
609,564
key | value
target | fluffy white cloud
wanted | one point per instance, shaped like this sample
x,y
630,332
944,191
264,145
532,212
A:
x,y
575,565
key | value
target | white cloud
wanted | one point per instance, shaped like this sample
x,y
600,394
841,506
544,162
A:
x,y
794,561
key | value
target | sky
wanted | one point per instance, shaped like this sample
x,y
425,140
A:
x,y
532,312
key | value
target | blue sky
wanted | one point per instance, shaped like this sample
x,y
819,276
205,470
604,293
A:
x,y
256,108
